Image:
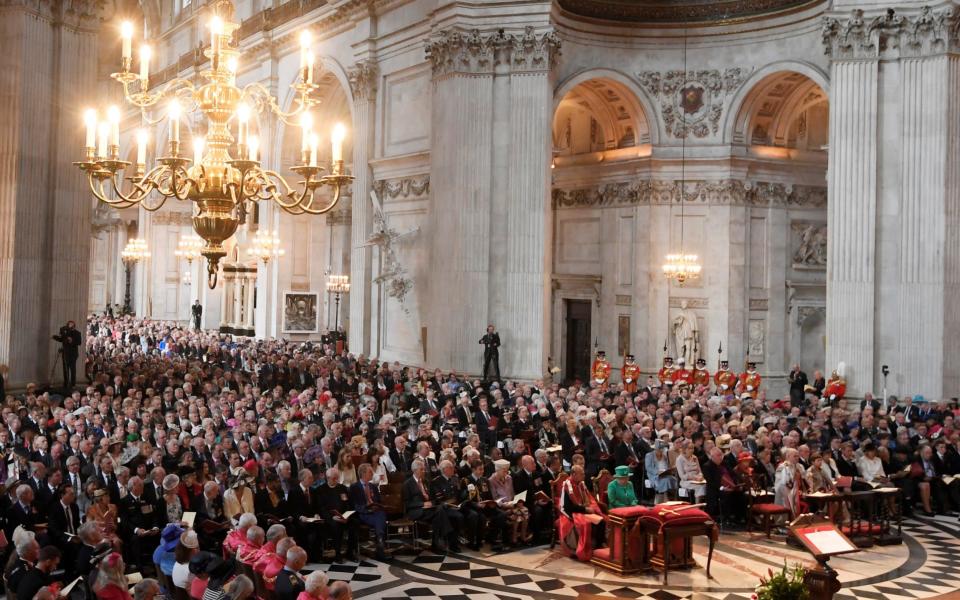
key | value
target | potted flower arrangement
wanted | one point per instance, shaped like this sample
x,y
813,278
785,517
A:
x,y
788,584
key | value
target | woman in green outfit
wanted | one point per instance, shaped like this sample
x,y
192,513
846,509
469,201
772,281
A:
x,y
620,491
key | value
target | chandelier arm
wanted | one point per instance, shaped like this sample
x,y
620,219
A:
x,y
259,94
308,206
178,87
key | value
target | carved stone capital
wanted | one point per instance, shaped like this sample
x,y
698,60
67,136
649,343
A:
x,y
453,51
891,35
363,78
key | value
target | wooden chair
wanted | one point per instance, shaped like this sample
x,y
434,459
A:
x,y
396,477
764,512
600,483
555,490
397,521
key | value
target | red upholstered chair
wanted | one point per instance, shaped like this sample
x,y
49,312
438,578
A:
x,y
766,513
672,527
600,483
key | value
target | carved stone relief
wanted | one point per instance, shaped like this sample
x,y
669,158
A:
x,y
755,340
678,302
692,102
806,312
810,244
723,192
407,187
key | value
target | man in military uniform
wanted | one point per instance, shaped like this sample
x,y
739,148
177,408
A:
x,y
666,373
600,371
750,380
700,374
724,378
140,524
289,583
682,375
629,374
480,509
445,491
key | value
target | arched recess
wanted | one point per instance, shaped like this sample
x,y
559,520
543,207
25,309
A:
x,y
783,104
600,110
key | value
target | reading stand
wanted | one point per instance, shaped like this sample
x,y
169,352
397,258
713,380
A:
x,y
822,539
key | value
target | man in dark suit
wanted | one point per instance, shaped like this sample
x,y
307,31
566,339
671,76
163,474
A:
x,y
445,492
63,519
91,547
400,455
23,512
530,479
591,454
486,423
366,501
491,352
480,510
420,506
332,501
212,523
465,412
713,474
69,339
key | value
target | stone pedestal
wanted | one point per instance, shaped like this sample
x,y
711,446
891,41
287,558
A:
x,y
47,64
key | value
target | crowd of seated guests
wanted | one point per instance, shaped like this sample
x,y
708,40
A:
x,y
289,453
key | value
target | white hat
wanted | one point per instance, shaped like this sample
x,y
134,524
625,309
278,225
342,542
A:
x,y
501,464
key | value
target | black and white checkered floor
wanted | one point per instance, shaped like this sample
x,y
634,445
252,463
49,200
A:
x,y
926,565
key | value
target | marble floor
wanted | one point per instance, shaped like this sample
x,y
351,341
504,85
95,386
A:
x,y
926,565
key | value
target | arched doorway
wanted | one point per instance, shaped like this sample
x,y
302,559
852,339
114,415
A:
x,y
782,124
600,130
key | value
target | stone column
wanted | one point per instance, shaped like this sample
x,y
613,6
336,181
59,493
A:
x,y
893,199
852,206
363,84
490,213
44,202
524,283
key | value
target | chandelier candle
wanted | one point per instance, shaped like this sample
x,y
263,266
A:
x,y
126,51
225,179
145,53
90,120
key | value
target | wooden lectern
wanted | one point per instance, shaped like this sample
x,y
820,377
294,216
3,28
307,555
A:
x,y
627,545
822,539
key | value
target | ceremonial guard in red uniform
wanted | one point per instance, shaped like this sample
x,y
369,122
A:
x,y
600,372
836,387
666,372
724,378
701,376
750,380
682,375
629,374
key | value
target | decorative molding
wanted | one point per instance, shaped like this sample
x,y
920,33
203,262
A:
x,y
363,78
732,192
758,303
689,11
624,300
806,312
856,37
691,102
677,302
404,187
172,218
810,249
453,51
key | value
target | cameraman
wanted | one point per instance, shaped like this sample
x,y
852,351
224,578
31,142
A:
x,y
69,339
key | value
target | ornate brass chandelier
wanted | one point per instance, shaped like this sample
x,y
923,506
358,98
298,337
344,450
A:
x,y
225,177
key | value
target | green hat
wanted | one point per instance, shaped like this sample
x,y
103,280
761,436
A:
x,y
622,471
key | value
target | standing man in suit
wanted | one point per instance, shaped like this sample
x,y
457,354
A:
x,y
491,352
420,507
69,339
63,519
197,311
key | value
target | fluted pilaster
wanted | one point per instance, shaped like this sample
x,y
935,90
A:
x,y
363,84
852,190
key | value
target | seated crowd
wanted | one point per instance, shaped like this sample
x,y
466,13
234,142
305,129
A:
x,y
225,465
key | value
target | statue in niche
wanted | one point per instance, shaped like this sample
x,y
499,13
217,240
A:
x,y
812,250
686,334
